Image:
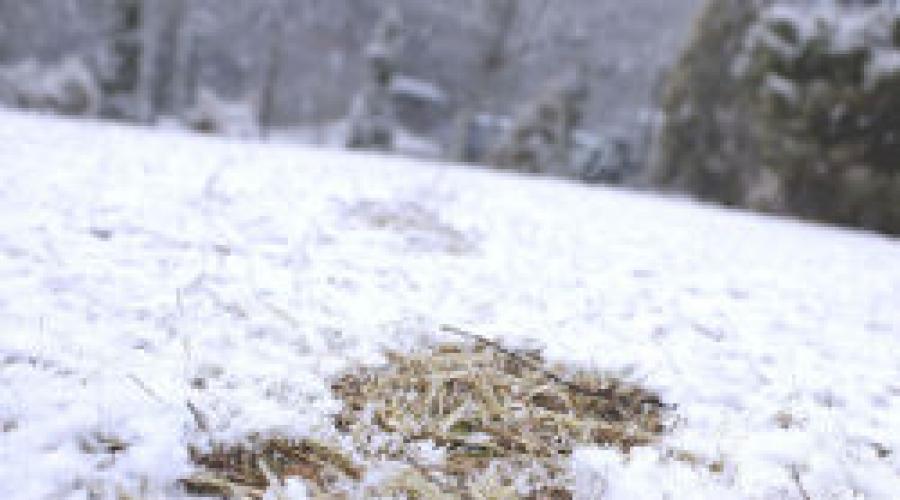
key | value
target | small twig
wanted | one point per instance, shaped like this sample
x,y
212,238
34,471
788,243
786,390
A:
x,y
199,418
230,307
795,476
281,313
150,392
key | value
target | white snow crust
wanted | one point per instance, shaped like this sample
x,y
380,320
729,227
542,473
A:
x,y
139,265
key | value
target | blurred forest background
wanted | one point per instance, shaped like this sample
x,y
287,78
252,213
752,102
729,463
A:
x,y
785,106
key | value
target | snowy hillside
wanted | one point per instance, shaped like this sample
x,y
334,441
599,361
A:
x,y
146,277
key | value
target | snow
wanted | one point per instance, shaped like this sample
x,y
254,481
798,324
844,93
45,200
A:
x,y
884,64
417,88
846,28
782,87
141,270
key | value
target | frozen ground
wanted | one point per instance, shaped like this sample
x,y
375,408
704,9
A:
x,y
140,270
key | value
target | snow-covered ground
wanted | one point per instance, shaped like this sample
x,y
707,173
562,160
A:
x,y
140,270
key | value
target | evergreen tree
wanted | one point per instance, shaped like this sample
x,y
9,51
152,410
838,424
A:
x,y
789,107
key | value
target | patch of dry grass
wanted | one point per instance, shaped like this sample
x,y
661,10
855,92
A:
x,y
494,415
245,470
468,419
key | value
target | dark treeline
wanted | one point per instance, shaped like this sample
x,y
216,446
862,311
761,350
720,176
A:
x,y
305,62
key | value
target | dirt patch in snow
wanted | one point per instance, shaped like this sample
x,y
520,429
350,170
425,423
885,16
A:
x,y
421,228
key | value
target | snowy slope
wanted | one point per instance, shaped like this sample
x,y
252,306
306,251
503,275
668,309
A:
x,y
141,269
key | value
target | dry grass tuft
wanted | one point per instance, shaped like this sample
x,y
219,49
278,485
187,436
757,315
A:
x,y
468,419
247,470
488,409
